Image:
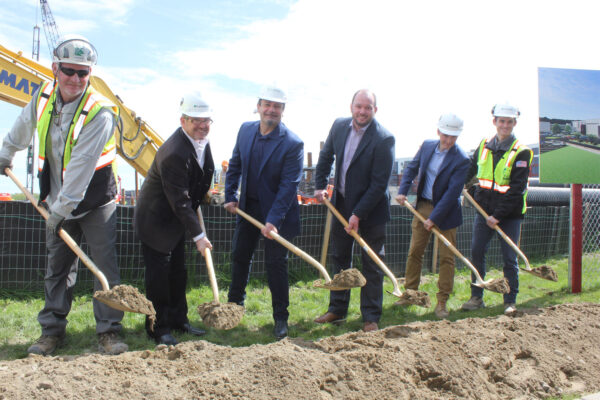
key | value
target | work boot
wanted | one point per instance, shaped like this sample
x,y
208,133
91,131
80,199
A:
x,y
111,343
46,344
473,304
441,311
370,326
510,308
281,329
331,318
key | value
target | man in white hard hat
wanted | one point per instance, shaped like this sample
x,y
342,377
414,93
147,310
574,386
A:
x,y
267,159
177,181
77,156
501,164
363,152
440,167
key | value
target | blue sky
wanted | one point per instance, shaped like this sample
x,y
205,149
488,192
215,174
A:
x,y
421,59
569,93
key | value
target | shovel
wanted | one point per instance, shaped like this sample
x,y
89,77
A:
x,y
215,314
405,299
329,284
120,297
544,271
494,285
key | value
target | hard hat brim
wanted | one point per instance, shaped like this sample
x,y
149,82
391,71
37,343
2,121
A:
x,y
200,114
450,132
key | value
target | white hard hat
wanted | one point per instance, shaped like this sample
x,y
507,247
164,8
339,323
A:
x,y
193,105
450,124
75,49
505,110
272,93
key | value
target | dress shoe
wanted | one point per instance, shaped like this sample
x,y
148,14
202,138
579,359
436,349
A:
x,y
330,317
167,339
281,329
370,326
187,328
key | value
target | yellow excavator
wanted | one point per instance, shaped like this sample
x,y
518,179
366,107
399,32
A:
x,y
137,142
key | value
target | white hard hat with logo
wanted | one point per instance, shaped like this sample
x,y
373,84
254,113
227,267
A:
x,y
272,93
450,124
193,105
505,110
75,49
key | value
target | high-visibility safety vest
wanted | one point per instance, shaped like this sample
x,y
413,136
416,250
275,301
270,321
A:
x,y
498,179
90,104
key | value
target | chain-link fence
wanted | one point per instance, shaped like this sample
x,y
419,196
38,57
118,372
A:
x,y
590,263
545,232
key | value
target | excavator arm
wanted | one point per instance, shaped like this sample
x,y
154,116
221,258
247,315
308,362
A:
x,y
137,142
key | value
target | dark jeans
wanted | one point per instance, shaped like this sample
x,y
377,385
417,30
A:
x,y
245,240
166,281
371,295
482,234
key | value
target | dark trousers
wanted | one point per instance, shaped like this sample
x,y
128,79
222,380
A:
x,y
371,295
166,281
245,240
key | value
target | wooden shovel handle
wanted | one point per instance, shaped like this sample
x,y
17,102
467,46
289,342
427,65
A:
x,y
326,235
364,245
62,233
288,245
209,264
446,242
506,238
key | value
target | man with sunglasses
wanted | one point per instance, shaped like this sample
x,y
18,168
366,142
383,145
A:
x,y
177,181
77,155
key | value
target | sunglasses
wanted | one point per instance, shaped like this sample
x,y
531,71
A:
x,y
82,73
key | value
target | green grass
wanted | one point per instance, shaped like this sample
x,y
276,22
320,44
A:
x,y
19,327
569,165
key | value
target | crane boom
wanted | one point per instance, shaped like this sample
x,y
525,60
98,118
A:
x,y
50,28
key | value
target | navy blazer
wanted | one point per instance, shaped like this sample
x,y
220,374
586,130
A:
x,y
279,174
368,173
447,187
171,193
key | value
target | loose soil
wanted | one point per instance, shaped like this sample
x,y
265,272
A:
x,y
127,298
499,285
416,297
343,280
221,315
545,272
535,353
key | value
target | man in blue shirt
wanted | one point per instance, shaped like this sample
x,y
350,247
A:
x,y
439,167
267,165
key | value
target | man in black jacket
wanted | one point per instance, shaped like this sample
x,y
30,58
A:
x,y
177,181
363,151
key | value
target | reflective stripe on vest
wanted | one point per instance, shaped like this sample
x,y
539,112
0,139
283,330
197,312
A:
x,y
91,103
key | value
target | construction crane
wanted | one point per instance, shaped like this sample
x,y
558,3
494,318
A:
x,y
50,28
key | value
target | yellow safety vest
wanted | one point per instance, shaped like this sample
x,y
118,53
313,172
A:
x,y
90,104
498,179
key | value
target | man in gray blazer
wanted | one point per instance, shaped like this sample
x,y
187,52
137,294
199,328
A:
x,y
363,152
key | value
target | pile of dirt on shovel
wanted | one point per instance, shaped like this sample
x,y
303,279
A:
x,y
221,315
128,297
348,278
545,272
537,353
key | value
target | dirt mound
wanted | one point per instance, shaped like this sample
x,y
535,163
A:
x,y
536,353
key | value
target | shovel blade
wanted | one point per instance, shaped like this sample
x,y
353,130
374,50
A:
x,y
544,272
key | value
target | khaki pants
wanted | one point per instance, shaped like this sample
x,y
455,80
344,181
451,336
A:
x,y
418,243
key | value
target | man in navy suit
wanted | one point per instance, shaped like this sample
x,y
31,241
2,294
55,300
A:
x,y
440,167
267,159
363,151
177,181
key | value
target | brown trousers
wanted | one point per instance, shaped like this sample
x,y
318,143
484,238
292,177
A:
x,y
418,243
